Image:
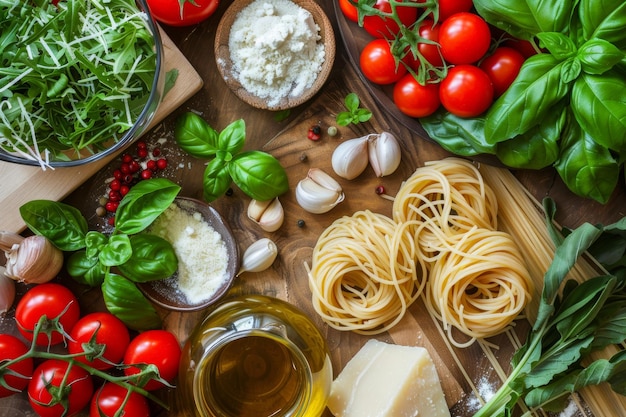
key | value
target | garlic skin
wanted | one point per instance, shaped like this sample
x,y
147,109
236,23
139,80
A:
x,y
384,154
269,215
318,192
34,261
259,256
7,292
350,158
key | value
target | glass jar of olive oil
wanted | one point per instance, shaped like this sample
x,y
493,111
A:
x,y
255,356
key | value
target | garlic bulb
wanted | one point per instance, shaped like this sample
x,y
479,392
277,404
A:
x,y
7,292
259,256
384,154
318,192
267,214
34,260
350,158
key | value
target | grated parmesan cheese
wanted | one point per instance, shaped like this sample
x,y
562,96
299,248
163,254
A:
x,y
201,252
275,49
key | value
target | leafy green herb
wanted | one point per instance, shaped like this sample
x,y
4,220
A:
x,y
139,257
573,320
258,174
75,75
355,114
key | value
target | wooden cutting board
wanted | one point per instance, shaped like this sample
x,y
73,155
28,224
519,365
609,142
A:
x,y
20,183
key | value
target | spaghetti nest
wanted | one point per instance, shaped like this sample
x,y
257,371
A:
x,y
365,272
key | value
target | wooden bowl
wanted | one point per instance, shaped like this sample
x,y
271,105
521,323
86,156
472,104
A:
x,y
225,64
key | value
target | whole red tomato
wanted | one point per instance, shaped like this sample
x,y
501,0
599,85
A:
x,y
449,7
11,348
466,91
414,99
464,38
108,400
111,335
52,300
380,27
430,51
349,10
502,67
50,375
378,63
182,12
154,347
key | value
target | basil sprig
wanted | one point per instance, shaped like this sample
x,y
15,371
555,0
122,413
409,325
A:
x,y
565,108
118,260
258,174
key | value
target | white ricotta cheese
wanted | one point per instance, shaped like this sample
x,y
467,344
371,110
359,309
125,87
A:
x,y
275,49
385,380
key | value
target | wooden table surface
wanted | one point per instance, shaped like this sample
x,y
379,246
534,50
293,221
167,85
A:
x,y
287,141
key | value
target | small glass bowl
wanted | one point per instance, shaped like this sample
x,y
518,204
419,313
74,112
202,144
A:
x,y
71,158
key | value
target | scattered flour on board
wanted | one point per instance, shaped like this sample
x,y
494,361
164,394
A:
x,y
275,49
201,252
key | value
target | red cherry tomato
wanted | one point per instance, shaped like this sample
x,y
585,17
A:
x,y
380,27
414,99
466,91
449,7
11,348
464,38
108,400
378,63
51,300
524,47
502,67
155,347
182,12
349,10
430,51
52,373
110,333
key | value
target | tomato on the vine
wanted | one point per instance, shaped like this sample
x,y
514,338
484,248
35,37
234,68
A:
x,y
378,63
349,10
428,30
502,67
449,7
154,347
466,91
464,38
386,27
11,348
47,400
52,300
111,334
415,99
108,400
182,12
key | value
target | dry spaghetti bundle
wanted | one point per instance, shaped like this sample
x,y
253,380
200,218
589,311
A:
x,y
365,273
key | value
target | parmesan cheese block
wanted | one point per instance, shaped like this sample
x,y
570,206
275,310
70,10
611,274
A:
x,y
385,380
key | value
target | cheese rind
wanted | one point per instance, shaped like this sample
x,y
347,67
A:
x,y
385,380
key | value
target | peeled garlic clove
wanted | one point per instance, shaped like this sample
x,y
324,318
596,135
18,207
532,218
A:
x,y
7,292
318,192
34,261
267,214
384,154
259,256
350,158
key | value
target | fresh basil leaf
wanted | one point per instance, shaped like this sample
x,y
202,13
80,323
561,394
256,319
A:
x,y
233,137
216,179
170,80
600,109
559,45
259,175
94,242
153,258
61,223
124,300
604,19
352,102
459,135
598,56
587,168
194,135
116,251
85,270
532,96
144,202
